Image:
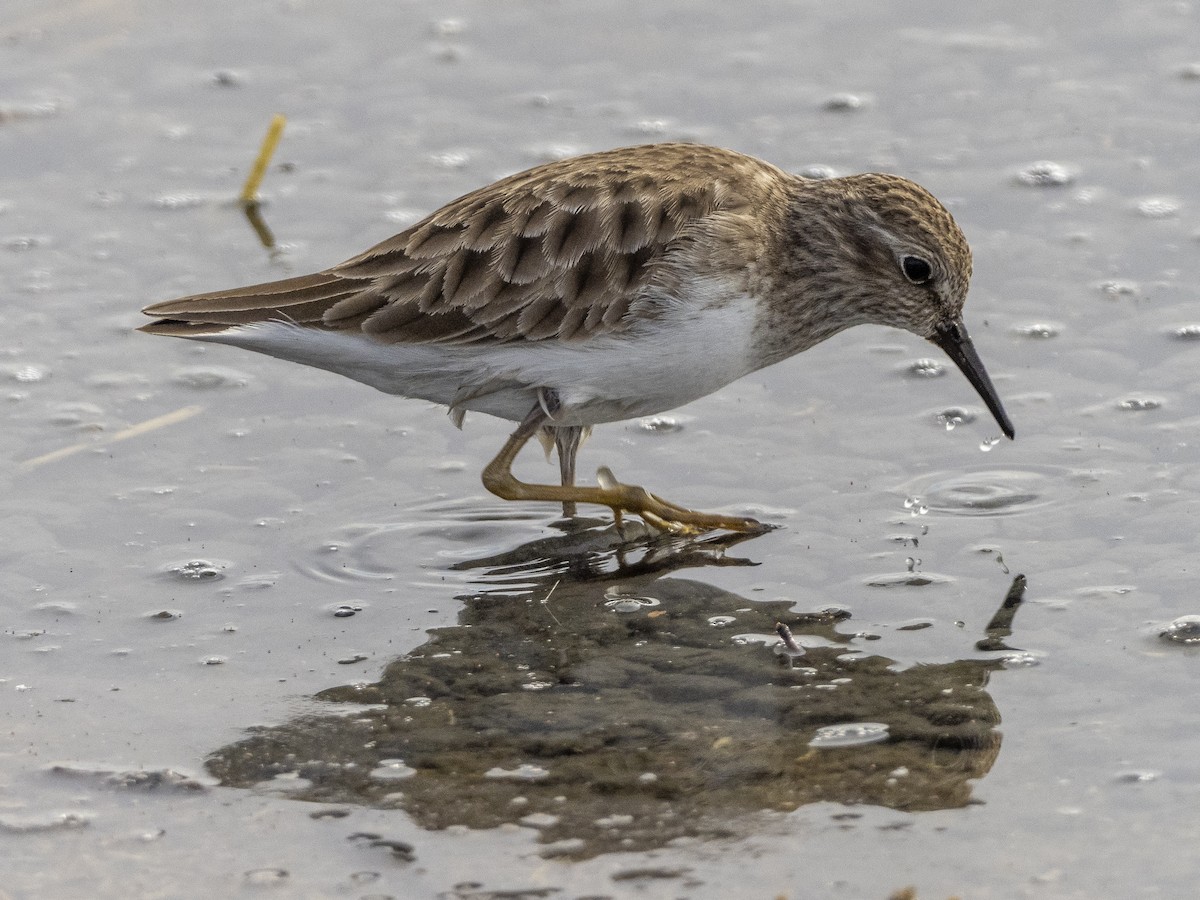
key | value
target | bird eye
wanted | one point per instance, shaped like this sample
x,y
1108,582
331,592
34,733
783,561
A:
x,y
916,270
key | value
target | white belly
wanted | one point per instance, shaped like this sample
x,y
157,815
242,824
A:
x,y
682,356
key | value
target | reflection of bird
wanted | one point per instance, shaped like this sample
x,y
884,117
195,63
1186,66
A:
x,y
609,286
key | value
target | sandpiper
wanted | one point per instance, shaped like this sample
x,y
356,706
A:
x,y
610,286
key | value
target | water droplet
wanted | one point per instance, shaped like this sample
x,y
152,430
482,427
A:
x,y
1184,630
1159,207
987,444
955,416
1045,173
853,734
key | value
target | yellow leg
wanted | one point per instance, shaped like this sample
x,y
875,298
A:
x,y
499,479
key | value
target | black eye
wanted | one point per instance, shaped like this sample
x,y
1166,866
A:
x,y
916,270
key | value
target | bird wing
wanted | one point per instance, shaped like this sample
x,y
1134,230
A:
x,y
562,251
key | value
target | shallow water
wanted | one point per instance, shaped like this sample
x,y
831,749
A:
x,y
219,566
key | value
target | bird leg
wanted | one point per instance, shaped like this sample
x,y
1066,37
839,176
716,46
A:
x,y
620,498
567,439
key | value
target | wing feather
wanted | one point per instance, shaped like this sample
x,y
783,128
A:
x,y
562,251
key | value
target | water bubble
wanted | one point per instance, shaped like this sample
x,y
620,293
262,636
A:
x,y
392,770
1045,173
207,378
266,876
987,444
853,734
1184,630
721,621
1187,333
1159,207
523,772
660,425
1118,288
915,506
197,570
843,102
925,368
1038,330
1139,404
619,601
1137,777
451,159
178,201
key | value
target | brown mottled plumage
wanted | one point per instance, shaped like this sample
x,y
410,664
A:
x,y
612,285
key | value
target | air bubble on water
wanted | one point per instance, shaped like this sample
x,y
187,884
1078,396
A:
x,y
852,734
988,444
1183,630
1118,288
1138,777
178,201
660,425
1187,333
926,368
1158,207
1040,330
1139,404
721,621
392,770
207,378
1045,173
451,159
266,876
843,102
915,506
523,772
198,570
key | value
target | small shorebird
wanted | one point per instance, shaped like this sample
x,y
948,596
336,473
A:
x,y
610,286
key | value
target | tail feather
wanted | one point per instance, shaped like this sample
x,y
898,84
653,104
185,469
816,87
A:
x,y
303,300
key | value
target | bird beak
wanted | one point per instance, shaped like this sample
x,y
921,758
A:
x,y
953,338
